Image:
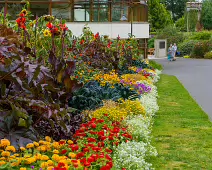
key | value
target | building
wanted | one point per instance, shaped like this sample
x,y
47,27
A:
x,y
108,17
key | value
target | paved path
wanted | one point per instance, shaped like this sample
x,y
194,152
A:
x,y
196,76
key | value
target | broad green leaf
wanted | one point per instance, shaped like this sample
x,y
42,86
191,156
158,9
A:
x,y
22,122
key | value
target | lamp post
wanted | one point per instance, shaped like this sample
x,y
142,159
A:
x,y
124,18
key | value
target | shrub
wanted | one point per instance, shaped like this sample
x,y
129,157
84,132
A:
x,y
208,55
200,49
151,43
204,35
186,47
172,35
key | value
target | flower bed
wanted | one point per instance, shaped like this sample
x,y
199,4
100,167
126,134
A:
x,y
104,143
93,99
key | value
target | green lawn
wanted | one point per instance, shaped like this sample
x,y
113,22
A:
x,y
182,132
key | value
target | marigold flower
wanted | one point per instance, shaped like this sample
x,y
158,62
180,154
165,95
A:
x,y
10,148
44,165
56,157
70,142
5,142
2,163
50,168
29,145
15,164
44,158
55,151
48,139
36,144
50,163
72,155
5,154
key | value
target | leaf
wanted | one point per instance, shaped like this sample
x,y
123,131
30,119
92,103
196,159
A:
x,y
60,76
22,122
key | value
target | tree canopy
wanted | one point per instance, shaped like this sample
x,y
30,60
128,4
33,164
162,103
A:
x,y
176,7
207,14
159,17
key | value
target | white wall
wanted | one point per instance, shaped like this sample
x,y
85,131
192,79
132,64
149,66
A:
x,y
112,29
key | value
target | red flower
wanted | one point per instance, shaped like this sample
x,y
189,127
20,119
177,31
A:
x,y
63,27
49,25
86,150
80,155
61,142
108,157
101,133
74,147
96,35
87,164
82,41
63,151
91,140
108,150
93,125
91,159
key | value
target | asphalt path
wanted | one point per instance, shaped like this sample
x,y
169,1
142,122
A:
x,y
196,76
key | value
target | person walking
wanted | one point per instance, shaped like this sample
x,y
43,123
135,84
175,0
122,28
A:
x,y
170,58
174,51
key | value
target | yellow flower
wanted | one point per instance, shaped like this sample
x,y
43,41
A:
x,y
44,158
42,148
55,151
56,157
70,142
22,148
30,160
50,163
23,169
50,168
38,156
2,158
5,142
24,11
48,139
5,153
72,155
15,164
47,33
44,165
55,145
36,144
30,145
2,163
10,148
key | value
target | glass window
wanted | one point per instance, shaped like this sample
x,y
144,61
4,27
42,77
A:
x,y
100,12
62,10
82,10
119,10
37,9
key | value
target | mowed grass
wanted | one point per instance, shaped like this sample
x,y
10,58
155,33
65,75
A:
x,y
182,132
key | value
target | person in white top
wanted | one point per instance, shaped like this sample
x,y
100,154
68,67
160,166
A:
x,y
174,51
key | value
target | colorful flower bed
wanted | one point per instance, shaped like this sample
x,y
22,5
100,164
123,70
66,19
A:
x,y
73,103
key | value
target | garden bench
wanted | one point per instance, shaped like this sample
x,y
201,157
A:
x,y
151,51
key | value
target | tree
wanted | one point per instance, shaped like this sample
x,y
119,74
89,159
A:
x,y
159,17
176,7
206,17
181,24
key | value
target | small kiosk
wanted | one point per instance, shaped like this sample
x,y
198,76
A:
x,y
160,48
